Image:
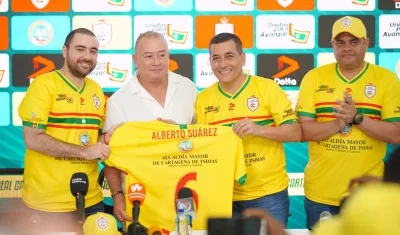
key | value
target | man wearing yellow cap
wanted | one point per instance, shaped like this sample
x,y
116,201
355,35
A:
x,y
348,111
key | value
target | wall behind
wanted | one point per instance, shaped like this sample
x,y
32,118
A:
x,y
283,39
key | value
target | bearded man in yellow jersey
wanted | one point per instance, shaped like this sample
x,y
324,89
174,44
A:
x,y
259,112
62,115
348,111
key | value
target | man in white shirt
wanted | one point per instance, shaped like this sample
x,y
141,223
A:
x,y
152,93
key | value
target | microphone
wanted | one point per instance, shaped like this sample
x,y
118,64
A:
x,y
185,200
79,186
136,195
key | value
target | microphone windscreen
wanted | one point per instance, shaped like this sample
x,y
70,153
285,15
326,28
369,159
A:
x,y
79,183
185,193
136,192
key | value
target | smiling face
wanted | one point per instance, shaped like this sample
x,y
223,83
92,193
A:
x,y
226,61
349,51
152,58
81,55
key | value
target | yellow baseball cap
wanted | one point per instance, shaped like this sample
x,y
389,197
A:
x,y
350,25
373,210
100,224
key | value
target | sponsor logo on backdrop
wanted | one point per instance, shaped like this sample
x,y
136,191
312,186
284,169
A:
x,y
389,4
350,5
390,61
4,71
204,75
112,32
40,33
325,24
285,31
296,184
102,5
177,30
112,70
389,31
209,26
328,57
285,70
34,65
103,32
181,64
228,5
16,101
40,4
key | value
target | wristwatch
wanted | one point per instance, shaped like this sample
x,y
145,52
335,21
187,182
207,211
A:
x,y
357,119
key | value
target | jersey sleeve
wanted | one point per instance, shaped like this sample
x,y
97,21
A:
x,y
240,164
35,107
280,106
391,100
305,106
200,115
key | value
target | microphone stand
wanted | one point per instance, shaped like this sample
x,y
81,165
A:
x,y
80,205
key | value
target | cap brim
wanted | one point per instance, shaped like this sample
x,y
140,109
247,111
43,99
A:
x,y
357,36
329,227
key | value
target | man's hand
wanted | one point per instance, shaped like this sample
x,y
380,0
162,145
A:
x,y
168,121
363,180
346,108
110,131
246,127
119,208
273,226
98,151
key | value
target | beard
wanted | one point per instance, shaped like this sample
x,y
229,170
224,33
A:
x,y
73,67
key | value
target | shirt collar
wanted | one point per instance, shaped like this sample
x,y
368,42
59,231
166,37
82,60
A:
x,y
135,86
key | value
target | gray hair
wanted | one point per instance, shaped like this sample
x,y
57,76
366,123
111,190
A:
x,y
149,34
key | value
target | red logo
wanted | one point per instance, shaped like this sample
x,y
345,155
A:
x,y
290,64
136,192
37,62
231,106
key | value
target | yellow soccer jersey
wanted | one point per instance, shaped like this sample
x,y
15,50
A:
x,y
265,103
166,157
350,153
70,115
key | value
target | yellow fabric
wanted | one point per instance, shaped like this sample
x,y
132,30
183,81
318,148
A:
x,y
100,223
266,104
351,153
348,24
373,210
165,158
70,115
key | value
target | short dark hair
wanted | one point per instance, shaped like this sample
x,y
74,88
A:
x,y
392,168
224,37
71,35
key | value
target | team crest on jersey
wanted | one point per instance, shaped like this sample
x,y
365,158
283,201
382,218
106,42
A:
x,y
185,146
96,101
252,103
370,90
345,131
102,223
84,138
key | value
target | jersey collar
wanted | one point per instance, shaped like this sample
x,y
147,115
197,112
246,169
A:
x,y
72,86
355,78
238,92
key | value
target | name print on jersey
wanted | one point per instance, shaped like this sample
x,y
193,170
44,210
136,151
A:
x,y
181,134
